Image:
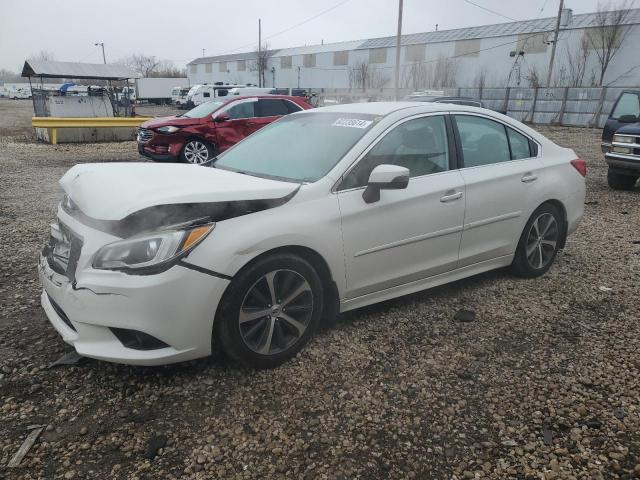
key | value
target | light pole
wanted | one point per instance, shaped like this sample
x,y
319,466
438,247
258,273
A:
x,y
104,59
273,73
555,42
298,77
398,38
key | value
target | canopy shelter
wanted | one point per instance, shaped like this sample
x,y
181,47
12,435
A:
x,y
101,96
94,71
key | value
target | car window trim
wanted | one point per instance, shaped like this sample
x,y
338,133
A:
x,y
505,126
631,92
233,103
453,165
260,104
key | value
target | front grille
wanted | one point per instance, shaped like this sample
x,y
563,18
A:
x,y
61,314
144,134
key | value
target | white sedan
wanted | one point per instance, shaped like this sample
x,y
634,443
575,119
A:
x,y
322,212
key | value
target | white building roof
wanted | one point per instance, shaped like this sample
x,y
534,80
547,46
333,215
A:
x,y
584,20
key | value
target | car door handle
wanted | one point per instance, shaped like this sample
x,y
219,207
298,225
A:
x,y
451,197
529,177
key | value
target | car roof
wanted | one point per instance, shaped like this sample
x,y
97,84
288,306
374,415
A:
x,y
239,97
386,108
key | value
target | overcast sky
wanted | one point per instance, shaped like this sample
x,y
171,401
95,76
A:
x,y
179,30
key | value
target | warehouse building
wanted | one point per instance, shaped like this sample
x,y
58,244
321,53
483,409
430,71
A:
x,y
505,54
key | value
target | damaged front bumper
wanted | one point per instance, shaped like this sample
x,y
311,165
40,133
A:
x,y
132,319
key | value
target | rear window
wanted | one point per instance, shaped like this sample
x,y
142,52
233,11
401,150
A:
x,y
628,104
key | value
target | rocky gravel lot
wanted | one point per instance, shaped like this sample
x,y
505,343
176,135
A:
x,y
543,384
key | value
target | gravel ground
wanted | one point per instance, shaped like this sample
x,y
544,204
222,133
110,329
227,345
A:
x,y
542,385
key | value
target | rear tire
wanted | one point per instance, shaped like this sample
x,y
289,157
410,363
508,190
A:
x,y
270,311
618,181
539,243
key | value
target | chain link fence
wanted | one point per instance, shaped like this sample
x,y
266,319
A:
x,y
571,106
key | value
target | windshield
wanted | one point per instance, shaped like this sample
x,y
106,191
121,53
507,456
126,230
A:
x,y
301,147
203,110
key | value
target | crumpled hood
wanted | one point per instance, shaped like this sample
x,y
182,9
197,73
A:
x,y
112,191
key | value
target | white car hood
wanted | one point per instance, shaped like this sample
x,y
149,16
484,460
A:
x,y
111,191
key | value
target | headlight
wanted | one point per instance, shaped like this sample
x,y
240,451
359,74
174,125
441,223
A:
x,y
622,139
150,250
169,129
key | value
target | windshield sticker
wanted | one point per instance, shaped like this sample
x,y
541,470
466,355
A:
x,y
351,122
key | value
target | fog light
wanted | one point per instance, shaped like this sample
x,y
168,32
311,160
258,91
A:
x,y
137,340
624,150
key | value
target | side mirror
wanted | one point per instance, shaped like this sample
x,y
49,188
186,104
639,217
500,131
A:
x,y
385,177
223,117
628,119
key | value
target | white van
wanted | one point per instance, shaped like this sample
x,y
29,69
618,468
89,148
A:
x,y
179,96
203,93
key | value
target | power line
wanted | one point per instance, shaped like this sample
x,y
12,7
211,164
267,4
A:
x,y
339,4
491,11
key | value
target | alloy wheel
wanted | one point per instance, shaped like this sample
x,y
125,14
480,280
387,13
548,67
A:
x,y
196,152
542,241
275,312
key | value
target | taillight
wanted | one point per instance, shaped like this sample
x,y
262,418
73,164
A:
x,y
580,165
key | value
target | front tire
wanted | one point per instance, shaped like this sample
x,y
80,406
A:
x,y
539,242
270,311
196,152
618,181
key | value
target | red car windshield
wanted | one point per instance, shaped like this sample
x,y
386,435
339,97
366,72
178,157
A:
x,y
203,110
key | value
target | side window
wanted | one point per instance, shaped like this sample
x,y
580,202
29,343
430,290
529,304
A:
x,y
206,94
519,145
242,110
292,107
272,107
420,145
483,141
629,104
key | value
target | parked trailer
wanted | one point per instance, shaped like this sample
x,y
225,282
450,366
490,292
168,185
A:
x,y
158,90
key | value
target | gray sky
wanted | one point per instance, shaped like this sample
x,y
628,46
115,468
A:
x,y
179,30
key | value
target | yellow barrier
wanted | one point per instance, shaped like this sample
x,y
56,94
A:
x,y
96,122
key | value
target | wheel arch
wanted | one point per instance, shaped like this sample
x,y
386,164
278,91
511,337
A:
x,y
563,212
318,262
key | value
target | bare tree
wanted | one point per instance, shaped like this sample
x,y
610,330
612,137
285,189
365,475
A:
x,y
363,76
43,56
414,76
480,82
608,34
167,69
533,77
145,65
577,59
262,55
7,76
442,73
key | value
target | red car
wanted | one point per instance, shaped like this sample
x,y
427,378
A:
x,y
210,128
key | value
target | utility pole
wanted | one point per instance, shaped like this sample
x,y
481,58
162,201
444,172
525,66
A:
x,y
555,42
259,52
397,82
104,59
